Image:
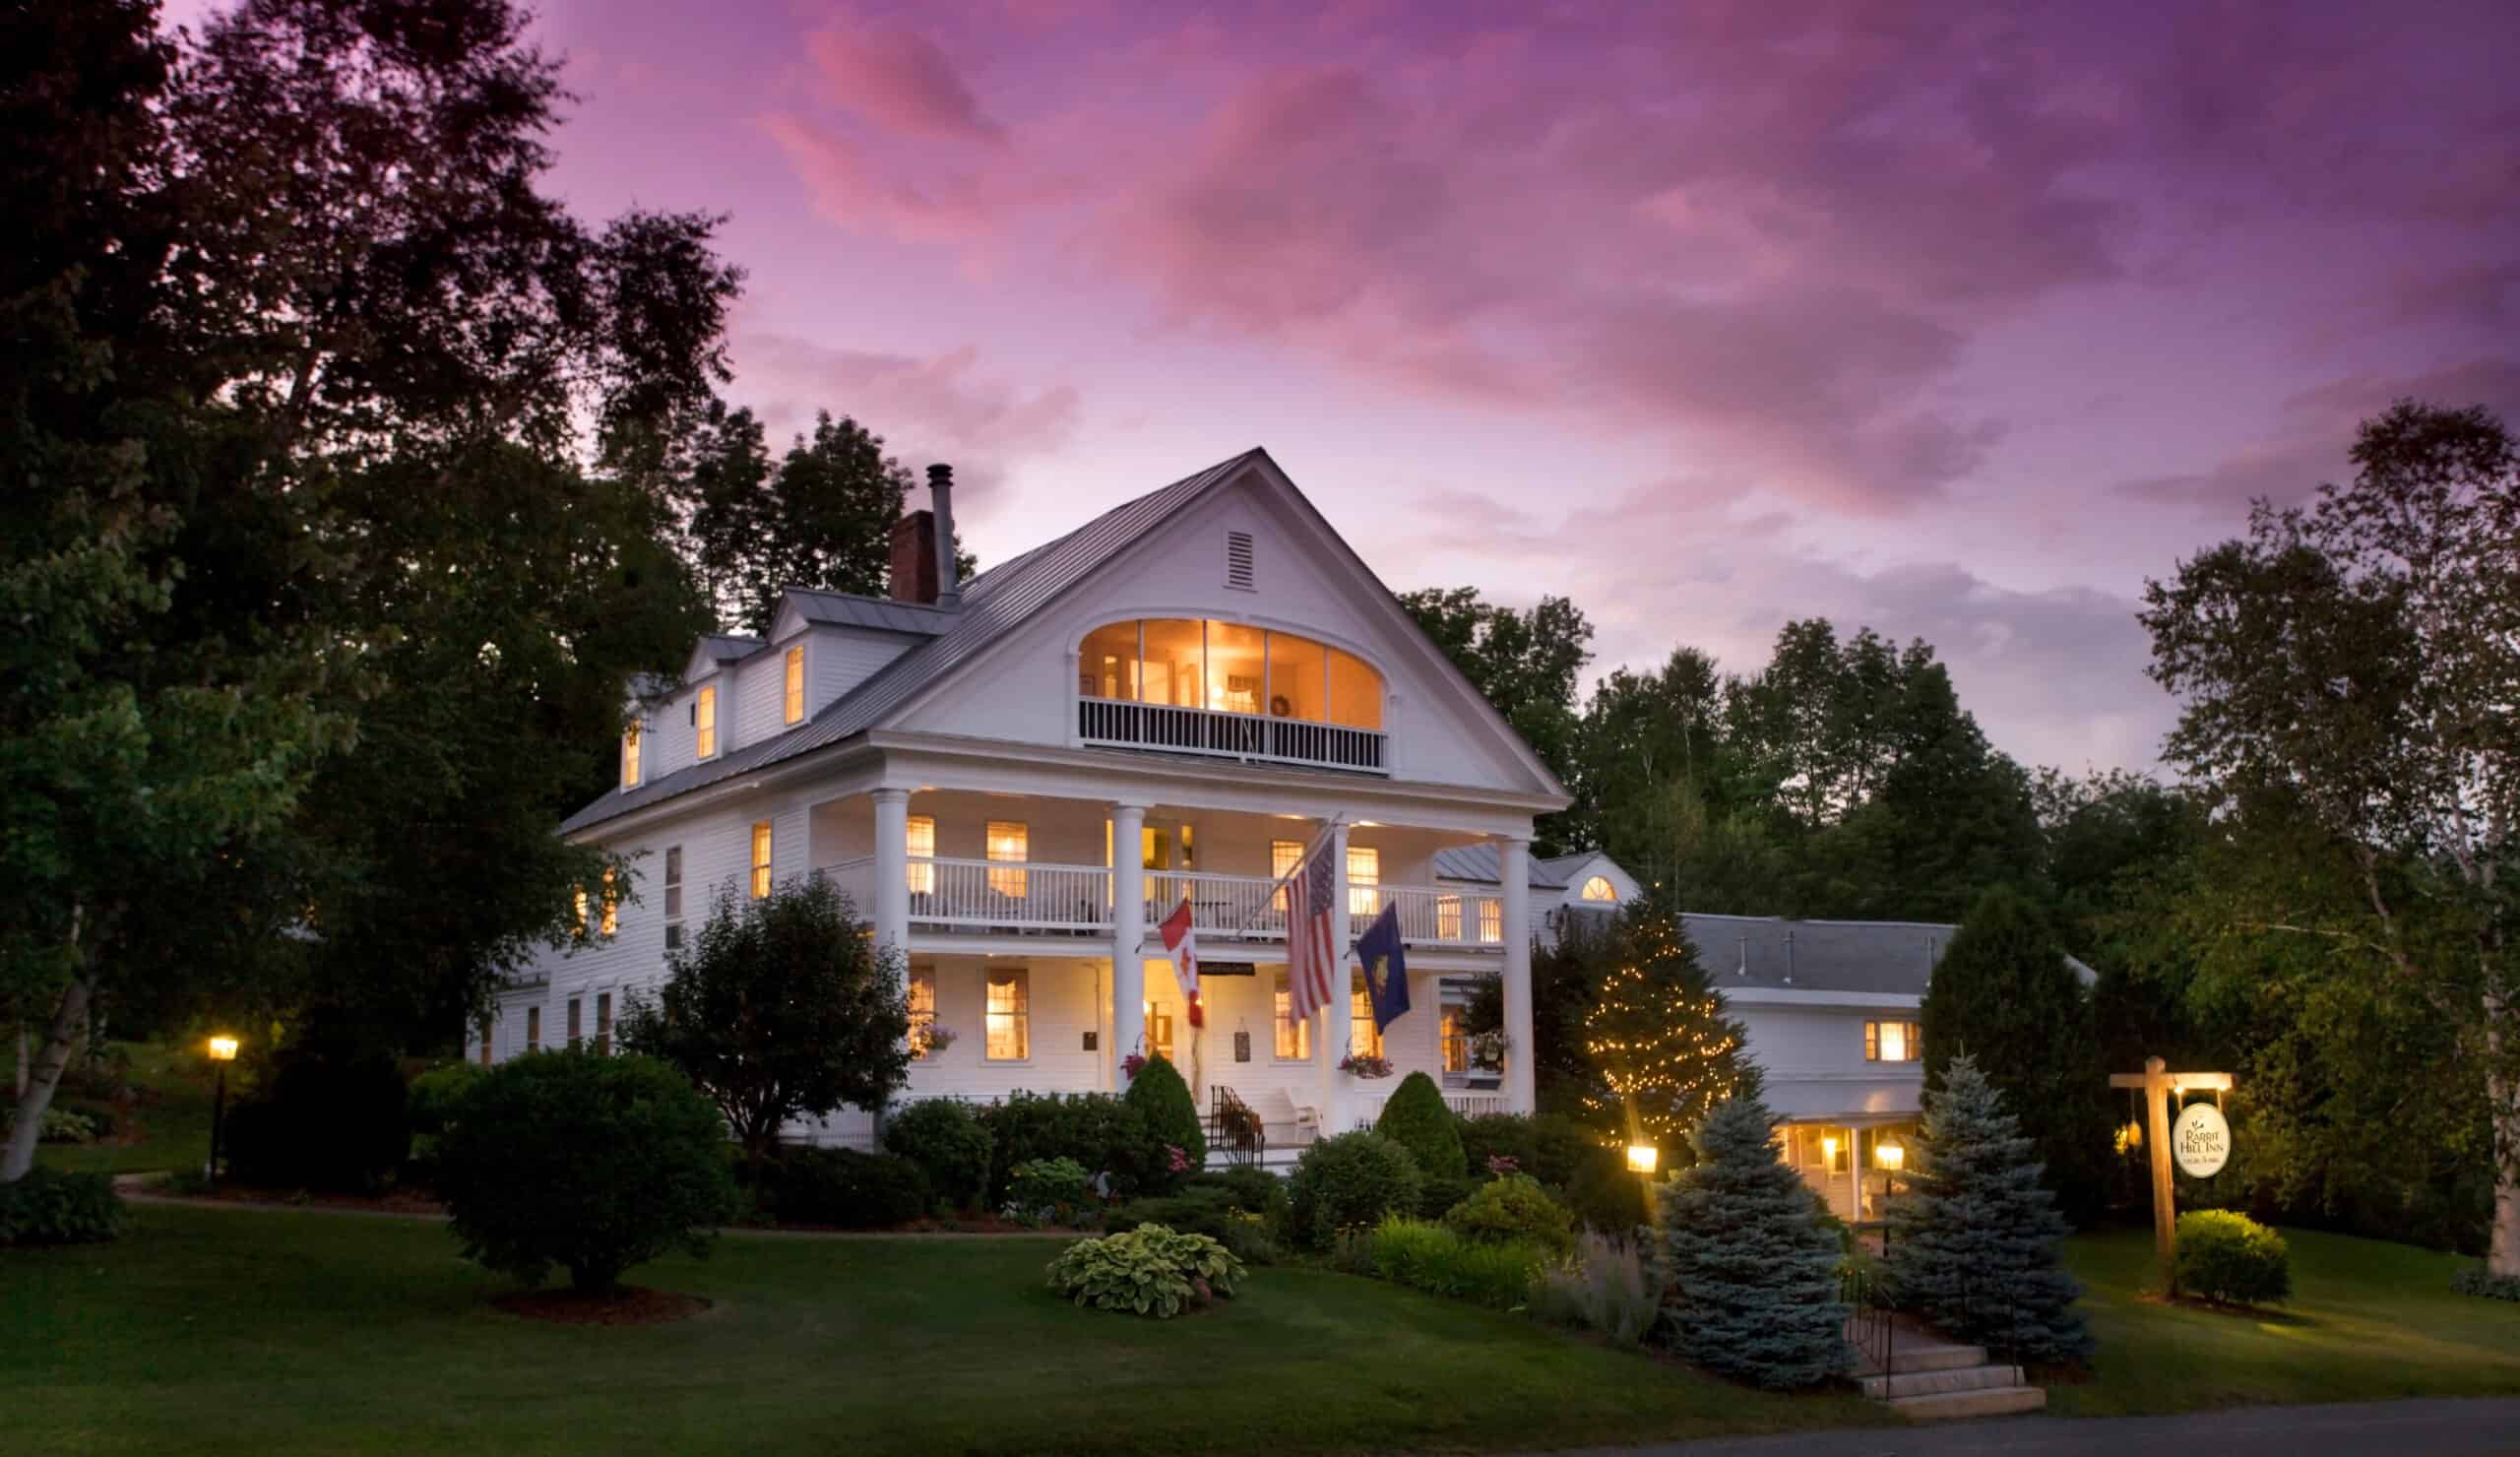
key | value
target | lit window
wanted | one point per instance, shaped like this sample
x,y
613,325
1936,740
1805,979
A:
x,y
1892,1041
1007,844
1010,1016
630,756
1159,1030
533,1029
1364,880
573,1024
1283,856
922,1011
579,929
1598,888
1456,1041
761,861
920,832
1295,1033
1363,1037
604,1024
612,906
704,720
1447,918
1491,922
796,705
1227,667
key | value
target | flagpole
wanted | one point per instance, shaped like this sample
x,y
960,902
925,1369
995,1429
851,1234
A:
x,y
1327,826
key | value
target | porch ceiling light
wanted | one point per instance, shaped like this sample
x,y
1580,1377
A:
x,y
1889,1156
223,1049
1829,1146
1642,1157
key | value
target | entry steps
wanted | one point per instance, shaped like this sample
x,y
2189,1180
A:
x,y
1940,1380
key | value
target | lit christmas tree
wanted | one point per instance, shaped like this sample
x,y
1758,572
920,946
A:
x,y
1662,1049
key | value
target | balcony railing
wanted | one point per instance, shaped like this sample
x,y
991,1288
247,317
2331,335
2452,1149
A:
x,y
1366,1106
991,895
1110,723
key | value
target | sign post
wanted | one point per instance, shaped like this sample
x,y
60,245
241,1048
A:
x,y
2202,1145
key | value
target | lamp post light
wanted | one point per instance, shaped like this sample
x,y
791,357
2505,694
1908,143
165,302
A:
x,y
1641,1159
1892,1158
222,1050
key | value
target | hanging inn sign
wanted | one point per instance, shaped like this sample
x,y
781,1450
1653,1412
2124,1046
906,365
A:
x,y
2199,1141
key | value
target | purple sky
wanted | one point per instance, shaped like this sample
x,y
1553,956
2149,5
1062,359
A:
x,y
1705,315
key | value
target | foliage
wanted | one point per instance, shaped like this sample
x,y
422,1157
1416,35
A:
x,y
49,1207
2356,657
1416,1118
2476,1279
1149,1271
845,1188
1752,1268
433,1097
1437,1196
327,1118
1975,1240
1513,1210
1605,1286
66,1125
1171,1118
1570,1160
1429,1257
2003,995
1526,663
947,1140
1253,1190
1048,1188
1211,1210
2230,1257
1349,1181
591,1162
1105,1134
780,1008
1662,1048
821,518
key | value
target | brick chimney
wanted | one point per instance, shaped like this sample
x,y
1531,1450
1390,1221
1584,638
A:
x,y
915,558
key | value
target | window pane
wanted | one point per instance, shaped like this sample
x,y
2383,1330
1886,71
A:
x,y
1295,1037
1355,692
1491,922
1234,667
922,1011
1456,1041
1363,1038
704,718
1283,856
1107,666
761,861
1296,684
1007,841
1176,662
920,832
673,882
1448,917
533,1029
1872,1041
796,704
1365,873
630,756
573,1024
603,1022
1010,1031
1598,888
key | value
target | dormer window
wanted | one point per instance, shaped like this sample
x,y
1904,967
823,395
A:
x,y
796,700
630,756
1598,888
1229,669
704,722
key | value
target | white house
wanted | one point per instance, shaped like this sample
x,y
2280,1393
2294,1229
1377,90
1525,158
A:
x,y
1585,883
1204,678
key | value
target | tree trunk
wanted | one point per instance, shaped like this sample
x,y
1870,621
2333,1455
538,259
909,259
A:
x,y
2502,1256
26,1122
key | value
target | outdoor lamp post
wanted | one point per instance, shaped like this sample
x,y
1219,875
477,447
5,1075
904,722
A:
x,y
1892,1158
222,1050
1641,1159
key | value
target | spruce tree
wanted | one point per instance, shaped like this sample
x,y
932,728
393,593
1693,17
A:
x,y
1974,1236
1662,1049
1752,1268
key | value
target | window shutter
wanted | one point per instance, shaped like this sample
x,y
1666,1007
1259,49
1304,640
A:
x,y
1237,560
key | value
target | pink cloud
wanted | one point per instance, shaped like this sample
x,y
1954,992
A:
x,y
899,80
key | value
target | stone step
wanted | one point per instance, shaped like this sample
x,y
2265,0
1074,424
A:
x,y
1953,1405
1936,1383
1919,1354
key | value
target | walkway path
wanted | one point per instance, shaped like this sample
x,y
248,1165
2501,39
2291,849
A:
x,y
2437,1428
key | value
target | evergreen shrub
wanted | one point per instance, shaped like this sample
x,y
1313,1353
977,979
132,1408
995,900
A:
x,y
1252,1190
49,1207
1752,1268
1171,1118
587,1162
1418,1120
2227,1256
946,1140
1100,1130
1510,1210
846,1189
1349,1181
1437,1196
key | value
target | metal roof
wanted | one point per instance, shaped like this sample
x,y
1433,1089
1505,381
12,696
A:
x,y
882,613
1895,957
993,604
724,647
1478,863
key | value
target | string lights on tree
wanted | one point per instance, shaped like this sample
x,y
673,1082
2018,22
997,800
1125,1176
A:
x,y
1662,1052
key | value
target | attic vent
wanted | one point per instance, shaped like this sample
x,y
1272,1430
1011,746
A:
x,y
1237,560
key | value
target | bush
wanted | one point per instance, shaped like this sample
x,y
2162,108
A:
x,y
1203,1211
338,1121
49,1207
1348,1182
1437,1196
1164,1101
1605,1286
2233,1258
433,1097
945,1139
1251,1190
1568,1159
591,1162
2476,1279
1606,1196
1048,1189
1416,1120
1103,1132
1434,1259
68,1125
1506,1135
846,1189
1148,1271
1513,1210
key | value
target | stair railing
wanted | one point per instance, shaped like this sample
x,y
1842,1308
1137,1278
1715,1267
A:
x,y
1868,1320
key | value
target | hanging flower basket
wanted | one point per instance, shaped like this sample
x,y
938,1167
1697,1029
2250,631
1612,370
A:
x,y
1132,1065
1487,1051
938,1038
1365,1065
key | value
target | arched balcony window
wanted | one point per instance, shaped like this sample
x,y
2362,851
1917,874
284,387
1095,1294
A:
x,y
1275,695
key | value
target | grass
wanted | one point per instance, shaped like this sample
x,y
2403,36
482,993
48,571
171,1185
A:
x,y
2368,1321
173,1117
240,1331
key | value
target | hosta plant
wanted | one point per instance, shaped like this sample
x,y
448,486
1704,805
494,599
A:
x,y
1151,1269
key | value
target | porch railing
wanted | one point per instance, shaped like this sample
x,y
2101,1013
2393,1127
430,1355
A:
x,y
1431,915
1236,906
1367,1106
1197,731
991,895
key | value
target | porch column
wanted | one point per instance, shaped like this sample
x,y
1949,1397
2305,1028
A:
x,y
891,911
1338,1019
1514,868
1128,936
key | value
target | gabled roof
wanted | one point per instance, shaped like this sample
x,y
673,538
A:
x,y
881,614
1894,957
993,604
727,647
1478,863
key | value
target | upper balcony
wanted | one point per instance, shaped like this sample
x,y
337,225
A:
x,y
1228,690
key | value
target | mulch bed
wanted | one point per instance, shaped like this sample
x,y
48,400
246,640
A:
x,y
630,1305
398,1201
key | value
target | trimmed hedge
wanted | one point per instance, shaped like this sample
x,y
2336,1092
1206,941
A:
x,y
1172,1118
1099,1131
945,1139
49,1207
1418,1120
2233,1258
1513,1210
1350,1181
846,1189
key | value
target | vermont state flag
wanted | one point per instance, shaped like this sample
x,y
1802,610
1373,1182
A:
x,y
1386,967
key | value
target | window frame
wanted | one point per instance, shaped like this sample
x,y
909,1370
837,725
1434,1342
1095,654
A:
x,y
1019,1017
574,1023
763,846
704,723
1285,1027
922,1012
1492,920
1911,1034
1610,892
674,898
793,686
533,1029
1264,700
1014,883
631,768
1365,887
604,1023
922,878
1364,1039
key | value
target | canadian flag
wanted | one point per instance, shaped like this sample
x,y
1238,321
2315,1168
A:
x,y
1183,943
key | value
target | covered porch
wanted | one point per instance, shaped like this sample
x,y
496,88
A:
x,y
1850,1161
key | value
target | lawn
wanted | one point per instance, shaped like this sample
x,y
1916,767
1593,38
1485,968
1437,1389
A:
x,y
174,1119
241,1331
2368,1321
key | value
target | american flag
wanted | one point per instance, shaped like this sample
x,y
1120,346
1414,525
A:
x,y
1312,965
